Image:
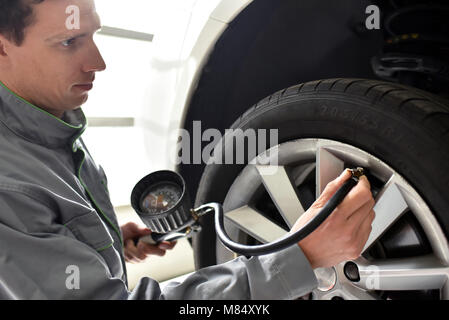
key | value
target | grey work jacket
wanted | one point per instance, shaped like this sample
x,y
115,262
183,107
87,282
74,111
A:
x,y
57,223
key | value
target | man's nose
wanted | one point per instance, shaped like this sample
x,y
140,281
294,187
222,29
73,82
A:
x,y
94,61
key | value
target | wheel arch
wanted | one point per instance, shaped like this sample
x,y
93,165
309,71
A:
x,y
271,45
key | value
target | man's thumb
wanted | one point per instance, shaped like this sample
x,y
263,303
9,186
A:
x,y
142,230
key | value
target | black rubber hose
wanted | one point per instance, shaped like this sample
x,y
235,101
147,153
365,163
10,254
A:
x,y
289,239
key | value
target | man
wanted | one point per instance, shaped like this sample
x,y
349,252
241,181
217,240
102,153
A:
x,y
55,214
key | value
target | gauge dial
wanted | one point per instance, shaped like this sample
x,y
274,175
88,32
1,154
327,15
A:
x,y
160,198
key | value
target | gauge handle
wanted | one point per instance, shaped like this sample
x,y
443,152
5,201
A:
x,y
156,238
150,239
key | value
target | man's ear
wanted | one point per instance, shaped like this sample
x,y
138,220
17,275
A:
x,y
3,49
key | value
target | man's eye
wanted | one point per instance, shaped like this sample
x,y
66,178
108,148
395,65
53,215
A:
x,y
68,42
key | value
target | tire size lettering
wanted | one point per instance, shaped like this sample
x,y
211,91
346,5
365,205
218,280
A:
x,y
366,121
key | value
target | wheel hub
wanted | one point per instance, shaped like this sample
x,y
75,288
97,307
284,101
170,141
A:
x,y
327,278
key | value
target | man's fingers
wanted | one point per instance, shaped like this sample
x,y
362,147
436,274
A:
x,y
128,258
365,229
133,230
133,251
148,249
356,198
167,245
331,188
361,213
137,253
131,259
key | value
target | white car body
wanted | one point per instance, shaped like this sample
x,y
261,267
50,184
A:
x,y
171,88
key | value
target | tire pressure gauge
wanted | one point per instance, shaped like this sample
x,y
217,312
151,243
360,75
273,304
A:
x,y
162,202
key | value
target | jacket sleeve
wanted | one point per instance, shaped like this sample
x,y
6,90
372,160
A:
x,y
278,276
42,259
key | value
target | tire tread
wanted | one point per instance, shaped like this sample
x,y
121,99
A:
x,y
420,106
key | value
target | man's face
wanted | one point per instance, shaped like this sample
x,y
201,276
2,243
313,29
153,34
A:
x,y
53,63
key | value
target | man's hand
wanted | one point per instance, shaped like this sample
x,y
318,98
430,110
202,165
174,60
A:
x,y
344,233
137,253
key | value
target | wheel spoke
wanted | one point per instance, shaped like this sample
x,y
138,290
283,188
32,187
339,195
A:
x,y
328,167
417,273
255,224
390,205
282,191
349,292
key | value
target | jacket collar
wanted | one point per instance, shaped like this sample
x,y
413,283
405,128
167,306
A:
x,y
37,125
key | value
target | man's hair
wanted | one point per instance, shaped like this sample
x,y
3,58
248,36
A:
x,y
15,17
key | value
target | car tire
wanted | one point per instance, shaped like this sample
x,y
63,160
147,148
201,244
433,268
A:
x,y
406,128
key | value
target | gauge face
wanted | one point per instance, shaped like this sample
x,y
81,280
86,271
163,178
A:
x,y
160,198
